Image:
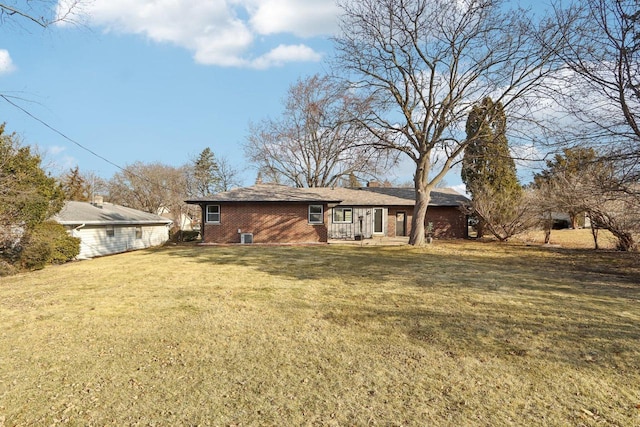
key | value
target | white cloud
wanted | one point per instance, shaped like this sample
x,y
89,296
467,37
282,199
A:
x,y
219,32
304,18
6,63
283,54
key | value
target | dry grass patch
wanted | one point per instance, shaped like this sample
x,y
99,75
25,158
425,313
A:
x,y
454,334
570,238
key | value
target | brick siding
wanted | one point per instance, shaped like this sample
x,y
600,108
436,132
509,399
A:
x,y
448,221
269,223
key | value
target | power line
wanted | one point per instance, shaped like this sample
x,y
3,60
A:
x,y
42,122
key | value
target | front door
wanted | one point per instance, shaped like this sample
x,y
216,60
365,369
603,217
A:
x,y
401,223
378,221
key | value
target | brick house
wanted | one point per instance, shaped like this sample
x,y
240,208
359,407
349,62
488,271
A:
x,y
269,213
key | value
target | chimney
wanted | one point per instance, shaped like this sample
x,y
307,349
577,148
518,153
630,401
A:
x,y
97,201
373,184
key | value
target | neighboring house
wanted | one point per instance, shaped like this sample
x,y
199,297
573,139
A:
x,y
269,213
105,228
186,222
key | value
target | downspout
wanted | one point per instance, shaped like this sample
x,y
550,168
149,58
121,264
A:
x,y
73,232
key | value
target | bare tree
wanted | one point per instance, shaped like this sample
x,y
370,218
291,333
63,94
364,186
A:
x,y
593,188
504,217
43,13
425,62
315,143
602,85
152,188
228,174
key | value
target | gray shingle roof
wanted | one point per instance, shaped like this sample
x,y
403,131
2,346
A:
x,y
365,196
439,197
109,214
267,193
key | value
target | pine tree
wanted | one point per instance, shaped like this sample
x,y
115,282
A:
x,y
488,170
75,186
206,174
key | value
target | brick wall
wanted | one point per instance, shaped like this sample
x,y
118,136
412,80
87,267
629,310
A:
x,y
448,221
269,223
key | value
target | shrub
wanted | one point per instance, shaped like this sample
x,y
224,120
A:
x,y
6,269
35,253
185,236
48,243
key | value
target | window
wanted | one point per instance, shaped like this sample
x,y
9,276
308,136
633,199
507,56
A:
x,y
110,231
316,214
344,215
138,232
213,213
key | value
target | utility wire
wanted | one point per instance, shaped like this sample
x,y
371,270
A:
x,y
60,133
42,122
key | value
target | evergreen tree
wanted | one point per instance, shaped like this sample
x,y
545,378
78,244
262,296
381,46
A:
x,y
488,170
205,174
28,196
75,186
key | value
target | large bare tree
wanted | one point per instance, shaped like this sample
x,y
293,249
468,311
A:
x,y
602,84
151,187
314,143
425,62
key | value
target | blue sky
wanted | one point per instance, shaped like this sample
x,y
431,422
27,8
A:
x,y
141,88
158,81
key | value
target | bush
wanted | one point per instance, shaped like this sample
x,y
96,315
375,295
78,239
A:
x,y
185,236
48,243
6,269
35,254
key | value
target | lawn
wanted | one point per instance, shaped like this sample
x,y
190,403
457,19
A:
x,y
456,333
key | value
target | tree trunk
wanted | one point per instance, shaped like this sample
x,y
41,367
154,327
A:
x,y
625,241
548,225
573,219
423,195
594,233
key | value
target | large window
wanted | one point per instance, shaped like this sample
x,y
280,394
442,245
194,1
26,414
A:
x,y
342,215
316,214
213,213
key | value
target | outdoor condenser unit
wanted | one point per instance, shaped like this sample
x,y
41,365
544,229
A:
x,y
246,238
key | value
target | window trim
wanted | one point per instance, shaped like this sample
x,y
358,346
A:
x,y
110,230
321,213
207,213
343,209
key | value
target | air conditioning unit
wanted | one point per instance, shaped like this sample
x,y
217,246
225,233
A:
x,y
246,238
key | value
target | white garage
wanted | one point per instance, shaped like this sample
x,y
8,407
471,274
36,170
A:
x,y
105,228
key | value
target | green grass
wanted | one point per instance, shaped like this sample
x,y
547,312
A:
x,y
457,333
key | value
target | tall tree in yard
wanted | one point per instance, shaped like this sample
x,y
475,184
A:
x,y
489,171
423,63
314,143
28,197
205,174
151,188
602,56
